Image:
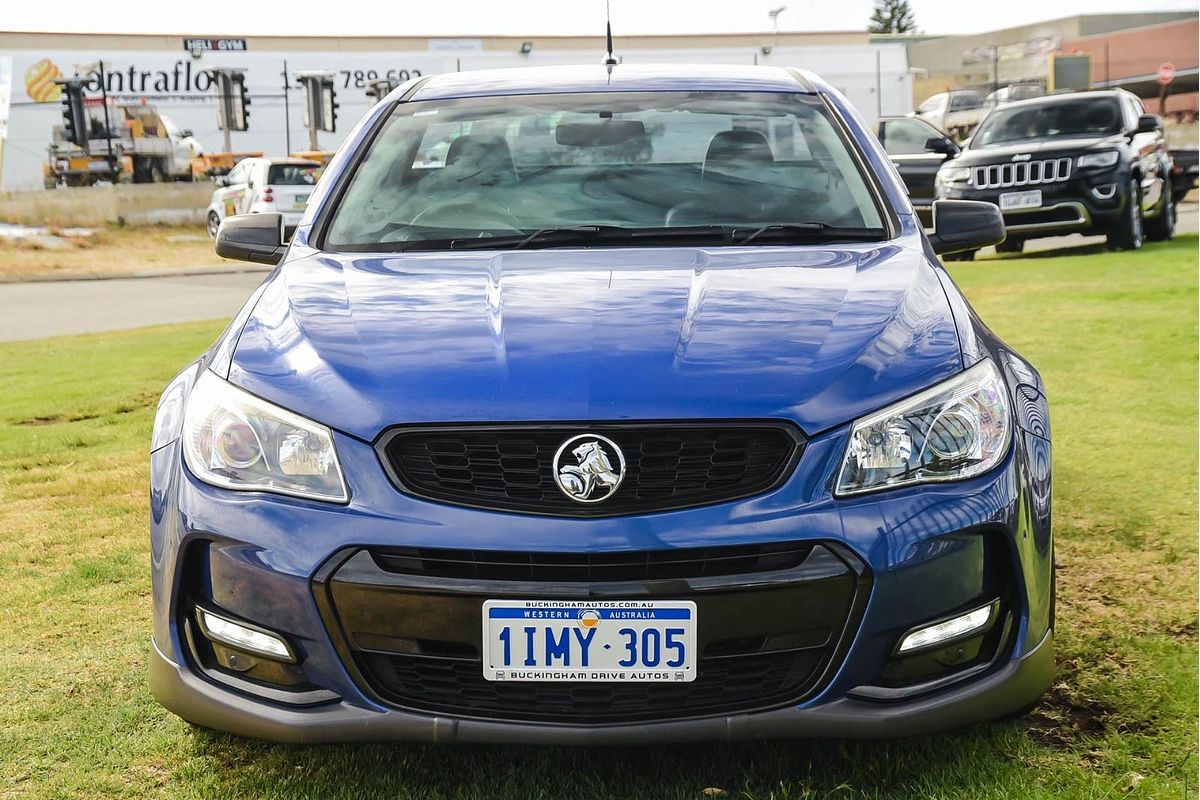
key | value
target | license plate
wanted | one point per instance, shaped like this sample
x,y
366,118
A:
x,y
1030,199
300,201
635,641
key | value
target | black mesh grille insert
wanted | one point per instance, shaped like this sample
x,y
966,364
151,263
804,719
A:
x,y
638,565
772,620
668,465
722,684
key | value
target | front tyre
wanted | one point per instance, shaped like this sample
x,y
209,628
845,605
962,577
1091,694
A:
x,y
1128,235
1012,244
214,222
1162,227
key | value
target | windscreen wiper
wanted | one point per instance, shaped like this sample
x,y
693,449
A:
x,y
807,232
590,234
608,235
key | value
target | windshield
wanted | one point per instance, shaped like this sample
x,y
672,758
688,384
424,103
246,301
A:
x,y
551,170
1082,117
292,175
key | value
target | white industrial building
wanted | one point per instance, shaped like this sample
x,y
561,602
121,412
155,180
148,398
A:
x,y
166,71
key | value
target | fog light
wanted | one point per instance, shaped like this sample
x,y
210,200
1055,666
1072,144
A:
x,y
1105,192
958,627
243,637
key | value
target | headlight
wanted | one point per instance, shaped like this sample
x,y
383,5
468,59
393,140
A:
x,y
235,440
954,174
953,431
1105,159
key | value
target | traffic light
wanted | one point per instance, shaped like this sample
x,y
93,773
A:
x,y
379,89
232,101
329,106
75,122
239,102
320,107
320,104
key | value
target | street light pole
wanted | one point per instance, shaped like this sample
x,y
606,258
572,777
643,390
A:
x,y
774,15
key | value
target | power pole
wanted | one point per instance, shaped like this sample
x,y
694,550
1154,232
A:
x,y
112,164
287,117
878,85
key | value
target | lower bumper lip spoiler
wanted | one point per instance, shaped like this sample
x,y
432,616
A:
x,y
1082,218
1008,689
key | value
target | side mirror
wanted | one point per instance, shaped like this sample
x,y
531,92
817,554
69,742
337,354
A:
x,y
940,144
960,225
221,180
253,237
1148,123
186,133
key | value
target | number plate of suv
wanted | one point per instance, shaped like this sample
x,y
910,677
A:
x,y
1029,199
636,641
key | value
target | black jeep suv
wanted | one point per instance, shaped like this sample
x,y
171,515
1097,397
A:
x,y
1091,163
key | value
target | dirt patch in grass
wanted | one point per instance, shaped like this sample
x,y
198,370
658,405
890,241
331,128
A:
x,y
1064,722
108,251
54,419
1185,632
141,400
1069,717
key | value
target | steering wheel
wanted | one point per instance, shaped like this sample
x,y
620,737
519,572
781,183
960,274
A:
x,y
475,211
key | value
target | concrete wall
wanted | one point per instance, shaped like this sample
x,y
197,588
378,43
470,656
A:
x,y
141,204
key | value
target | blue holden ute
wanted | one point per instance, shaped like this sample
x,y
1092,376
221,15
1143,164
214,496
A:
x,y
604,404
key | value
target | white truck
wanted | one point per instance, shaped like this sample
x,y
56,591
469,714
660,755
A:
x,y
146,148
956,112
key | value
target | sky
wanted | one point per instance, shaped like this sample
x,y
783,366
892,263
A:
x,y
531,17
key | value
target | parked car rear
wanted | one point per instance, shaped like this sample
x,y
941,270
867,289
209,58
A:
x,y
263,186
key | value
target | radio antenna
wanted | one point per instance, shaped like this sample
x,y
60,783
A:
x,y
610,61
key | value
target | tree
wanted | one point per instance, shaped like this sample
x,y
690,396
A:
x,y
893,16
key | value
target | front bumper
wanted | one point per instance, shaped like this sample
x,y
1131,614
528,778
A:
x,y
1087,203
269,559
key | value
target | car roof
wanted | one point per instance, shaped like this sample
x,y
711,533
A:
x,y
620,78
300,162
1054,98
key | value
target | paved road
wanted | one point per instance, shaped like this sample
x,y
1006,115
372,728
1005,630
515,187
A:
x,y
36,310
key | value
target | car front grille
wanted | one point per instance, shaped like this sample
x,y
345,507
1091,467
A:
x,y
637,565
457,686
1021,173
669,465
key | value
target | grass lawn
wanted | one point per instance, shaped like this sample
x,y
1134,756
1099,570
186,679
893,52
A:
x,y
1115,336
109,251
